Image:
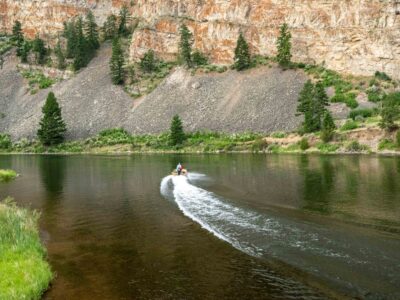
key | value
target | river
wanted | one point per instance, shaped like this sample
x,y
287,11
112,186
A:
x,y
238,227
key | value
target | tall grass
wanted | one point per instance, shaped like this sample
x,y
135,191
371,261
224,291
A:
x,y
24,272
7,175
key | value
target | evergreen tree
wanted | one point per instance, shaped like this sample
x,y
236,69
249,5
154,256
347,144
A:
x,y
92,33
39,48
70,36
110,27
390,111
148,62
242,54
185,45
117,63
24,51
52,127
284,46
177,135
80,51
17,36
60,56
123,18
199,59
328,127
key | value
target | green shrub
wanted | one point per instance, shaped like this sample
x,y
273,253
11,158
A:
x,y
355,146
349,125
199,59
110,137
327,148
398,138
7,175
303,144
274,148
5,141
259,144
365,113
348,98
382,76
375,95
386,144
278,135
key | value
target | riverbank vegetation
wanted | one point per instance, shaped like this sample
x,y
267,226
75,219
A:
x,y
25,274
7,175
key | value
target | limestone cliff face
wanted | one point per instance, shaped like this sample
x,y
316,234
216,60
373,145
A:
x,y
351,36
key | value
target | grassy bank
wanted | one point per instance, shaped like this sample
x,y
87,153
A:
x,y
24,274
7,175
351,137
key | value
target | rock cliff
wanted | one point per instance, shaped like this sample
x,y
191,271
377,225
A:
x,y
350,36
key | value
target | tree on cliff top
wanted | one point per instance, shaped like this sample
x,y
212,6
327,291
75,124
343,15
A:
x,y
284,46
17,35
52,127
177,135
148,62
40,50
60,56
117,62
123,19
92,33
81,53
185,46
242,54
110,27
70,35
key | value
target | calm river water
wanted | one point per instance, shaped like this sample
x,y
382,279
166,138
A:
x,y
239,227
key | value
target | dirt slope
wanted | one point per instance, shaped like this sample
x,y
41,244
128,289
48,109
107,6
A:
x,y
262,99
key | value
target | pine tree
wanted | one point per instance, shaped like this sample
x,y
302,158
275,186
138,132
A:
x,y
92,33
40,50
110,27
70,36
24,51
123,18
52,127
284,46
17,36
390,111
328,127
80,51
117,63
148,62
242,54
185,45
177,135
60,56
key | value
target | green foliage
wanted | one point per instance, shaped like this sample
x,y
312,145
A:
x,y
348,98
92,32
39,48
259,144
328,127
327,148
364,113
123,18
37,80
111,137
52,127
199,59
70,35
242,54
60,56
284,46
279,135
17,36
117,62
387,144
185,45
390,112
148,62
398,138
25,274
81,54
5,141
382,76
177,135
355,146
7,175
312,104
375,95
110,28
349,125
303,144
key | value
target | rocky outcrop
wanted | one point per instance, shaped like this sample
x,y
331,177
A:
x,y
358,36
350,36
263,100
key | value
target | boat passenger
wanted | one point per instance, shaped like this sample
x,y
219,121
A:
x,y
179,168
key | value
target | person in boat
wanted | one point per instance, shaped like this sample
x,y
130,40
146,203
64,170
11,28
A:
x,y
179,168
